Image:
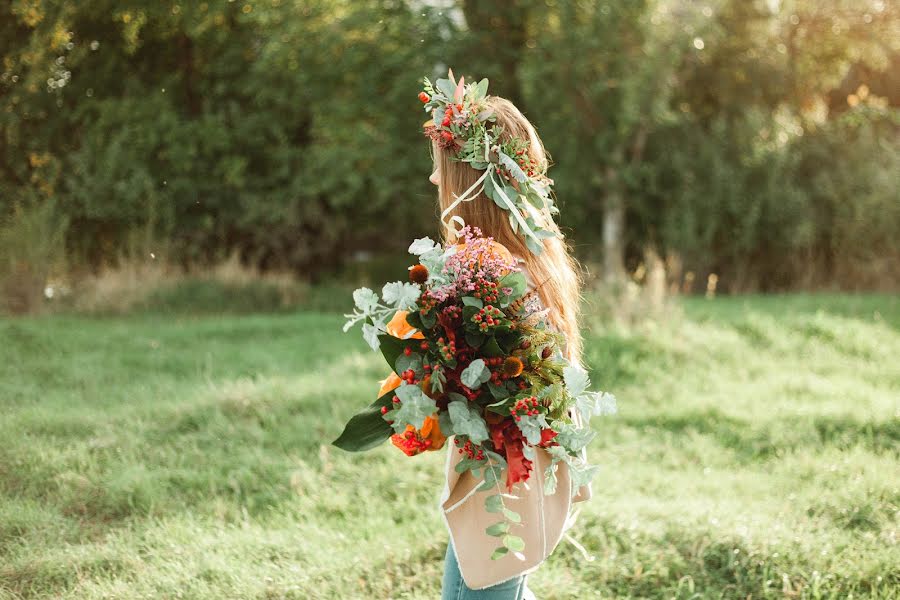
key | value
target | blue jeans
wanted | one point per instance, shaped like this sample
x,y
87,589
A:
x,y
454,588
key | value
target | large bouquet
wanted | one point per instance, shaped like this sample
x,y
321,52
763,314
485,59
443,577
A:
x,y
474,356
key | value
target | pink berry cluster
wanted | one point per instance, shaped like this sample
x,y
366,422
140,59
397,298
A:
x,y
524,407
469,449
487,317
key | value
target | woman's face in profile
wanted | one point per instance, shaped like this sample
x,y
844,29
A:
x,y
435,177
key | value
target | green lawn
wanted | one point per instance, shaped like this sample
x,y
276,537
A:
x,y
755,455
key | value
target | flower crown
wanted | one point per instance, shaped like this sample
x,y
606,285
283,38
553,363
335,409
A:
x,y
464,124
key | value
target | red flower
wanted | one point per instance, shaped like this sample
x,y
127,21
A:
x,y
508,440
547,436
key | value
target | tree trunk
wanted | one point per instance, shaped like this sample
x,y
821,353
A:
x,y
613,228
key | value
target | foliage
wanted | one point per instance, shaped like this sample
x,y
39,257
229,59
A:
x,y
756,456
754,139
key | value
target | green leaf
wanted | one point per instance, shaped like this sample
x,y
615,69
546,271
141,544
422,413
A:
x,y
516,282
491,348
498,391
493,504
473,301
392,348
550,479
445,423
467,421
513,542
414,407
402,295
474,339
512,515
497,529
445,87
365,299
475,374
577,380
429,320
366,429
514,169
535,247
414,319
370,334
499,553
480,90
531,427
413,361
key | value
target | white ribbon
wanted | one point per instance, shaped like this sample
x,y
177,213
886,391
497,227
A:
x,y
514,210
467,196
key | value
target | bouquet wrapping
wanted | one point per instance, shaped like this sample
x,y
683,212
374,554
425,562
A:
x,y
474,356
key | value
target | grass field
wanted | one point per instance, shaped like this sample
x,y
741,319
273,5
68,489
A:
x,y
156,456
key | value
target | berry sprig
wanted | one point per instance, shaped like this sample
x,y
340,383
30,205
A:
x,y
446,349
472,451
524,407
486,290
487,317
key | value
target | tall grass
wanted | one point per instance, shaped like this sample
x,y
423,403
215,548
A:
x,y
167,456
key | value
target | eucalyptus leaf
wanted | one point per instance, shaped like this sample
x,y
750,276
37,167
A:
x,y
467,421
475,374
480,91
513,542
512,515
415,406
514,169
445,87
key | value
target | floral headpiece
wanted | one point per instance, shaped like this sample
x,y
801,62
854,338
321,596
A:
x,y
463,124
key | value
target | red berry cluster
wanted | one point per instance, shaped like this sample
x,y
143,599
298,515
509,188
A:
x,y
409,376
487,317
471,450
411,442
453,311
525,406
486,289
446,350
426,303
528,164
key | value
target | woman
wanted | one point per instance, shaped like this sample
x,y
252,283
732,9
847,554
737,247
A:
x,y
470,573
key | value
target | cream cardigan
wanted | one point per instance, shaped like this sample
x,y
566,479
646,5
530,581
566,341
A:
x,y
544,518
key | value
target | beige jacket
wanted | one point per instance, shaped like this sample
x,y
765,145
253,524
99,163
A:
x,y
544,518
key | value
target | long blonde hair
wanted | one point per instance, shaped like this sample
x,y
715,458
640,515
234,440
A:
x,y
555,272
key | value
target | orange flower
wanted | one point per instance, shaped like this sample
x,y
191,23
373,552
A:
x,y
418,274
512,367
391,382
399,328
